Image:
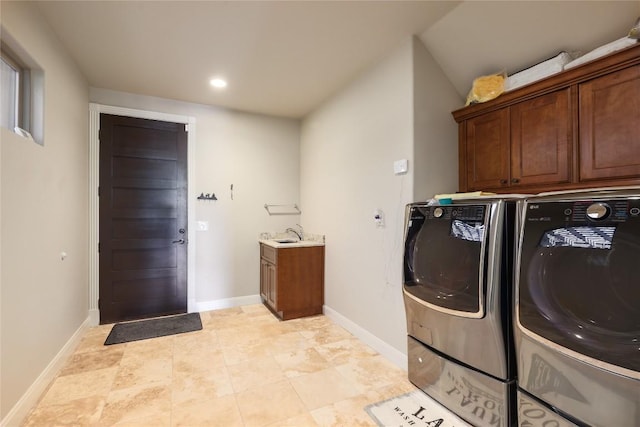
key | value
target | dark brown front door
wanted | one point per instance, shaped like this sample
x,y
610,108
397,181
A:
x,y
143,218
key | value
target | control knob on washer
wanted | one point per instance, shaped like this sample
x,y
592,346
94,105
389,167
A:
x,y
598,211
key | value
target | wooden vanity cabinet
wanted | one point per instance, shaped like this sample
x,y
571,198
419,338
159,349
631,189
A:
x,y
292,280
579,128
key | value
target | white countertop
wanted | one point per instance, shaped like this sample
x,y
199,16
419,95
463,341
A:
x,y
297,244
275,240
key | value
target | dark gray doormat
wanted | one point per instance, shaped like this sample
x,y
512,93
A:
x,y
153,328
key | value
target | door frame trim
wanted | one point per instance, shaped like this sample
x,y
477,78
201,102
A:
x,y
94,167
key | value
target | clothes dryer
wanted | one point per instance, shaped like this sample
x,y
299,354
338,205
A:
x,y
577,307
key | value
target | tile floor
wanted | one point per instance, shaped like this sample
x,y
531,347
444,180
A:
x,y
244,368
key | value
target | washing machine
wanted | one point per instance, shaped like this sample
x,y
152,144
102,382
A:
x,y
457,287
577,308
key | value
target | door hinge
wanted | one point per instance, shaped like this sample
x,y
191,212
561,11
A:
x,y
98,191
98,247
186,127
99,134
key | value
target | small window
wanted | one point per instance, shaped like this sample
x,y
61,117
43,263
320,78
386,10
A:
x,y
21,95
11,79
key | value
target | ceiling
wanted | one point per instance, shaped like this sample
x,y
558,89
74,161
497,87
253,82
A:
x,y
284,58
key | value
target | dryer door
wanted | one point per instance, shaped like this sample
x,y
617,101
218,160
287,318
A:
x,y
579,276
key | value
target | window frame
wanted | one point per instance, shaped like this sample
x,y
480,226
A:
x,y
23,99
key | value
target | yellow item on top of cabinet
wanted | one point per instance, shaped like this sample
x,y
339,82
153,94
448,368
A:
x,y
486,88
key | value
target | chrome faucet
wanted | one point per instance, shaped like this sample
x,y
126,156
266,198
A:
x,y
299,233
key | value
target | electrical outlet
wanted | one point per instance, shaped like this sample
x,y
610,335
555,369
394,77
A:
x,y
203,226
378,218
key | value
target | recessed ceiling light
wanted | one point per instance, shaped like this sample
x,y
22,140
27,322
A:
x,y
219,83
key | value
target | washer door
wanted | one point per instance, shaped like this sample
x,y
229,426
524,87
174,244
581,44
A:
x,y
444,257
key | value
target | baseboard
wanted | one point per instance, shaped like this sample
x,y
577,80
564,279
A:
x,y
390,353
29,399
196,307
94,317
225,303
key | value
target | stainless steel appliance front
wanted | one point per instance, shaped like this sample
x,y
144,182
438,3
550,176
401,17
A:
x,y
578,305
457,294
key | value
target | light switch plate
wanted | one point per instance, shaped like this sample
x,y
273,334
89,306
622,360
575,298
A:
x,y
203,225
400,166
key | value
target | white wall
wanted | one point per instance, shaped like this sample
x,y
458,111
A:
x,y
44,212
347,152
259,155
436,132
348,147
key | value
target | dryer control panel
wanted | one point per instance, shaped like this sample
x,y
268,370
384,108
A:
x,y
584,211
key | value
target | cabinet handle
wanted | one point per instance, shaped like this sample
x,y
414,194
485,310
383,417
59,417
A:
x,y
503,181
515,181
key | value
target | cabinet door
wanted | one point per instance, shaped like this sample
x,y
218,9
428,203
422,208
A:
x,y
610,126
487,147
263,278
272,286
541,140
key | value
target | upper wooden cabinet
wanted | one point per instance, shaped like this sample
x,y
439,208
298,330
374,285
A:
x,y
610,126
578,128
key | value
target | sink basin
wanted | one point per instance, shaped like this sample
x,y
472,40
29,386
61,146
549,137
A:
x,y
285,240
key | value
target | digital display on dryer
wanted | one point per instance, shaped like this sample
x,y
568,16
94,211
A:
x,y
578,237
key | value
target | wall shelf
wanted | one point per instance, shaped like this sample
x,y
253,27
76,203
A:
x,y
291,209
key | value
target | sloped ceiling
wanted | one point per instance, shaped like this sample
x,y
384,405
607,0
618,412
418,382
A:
x,y
481,37
285,58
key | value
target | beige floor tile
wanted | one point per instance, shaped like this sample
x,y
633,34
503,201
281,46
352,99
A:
x,y
348,412
226,322
155,348
222,412
206,385
135,403
255,372
232,311
79,386
202,338
143,372
255,310
198,360
267,404
276,327
71,413
91,342
245,368
397,388
246,351
157,420
345,351
371,373
300,362
329,334
311,323
304,420
106,357
323,388
287,342
236,336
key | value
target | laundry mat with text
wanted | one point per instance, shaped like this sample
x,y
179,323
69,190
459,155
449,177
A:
x,y
414,409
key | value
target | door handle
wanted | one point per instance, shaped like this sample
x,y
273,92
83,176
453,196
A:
x,y
181,241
